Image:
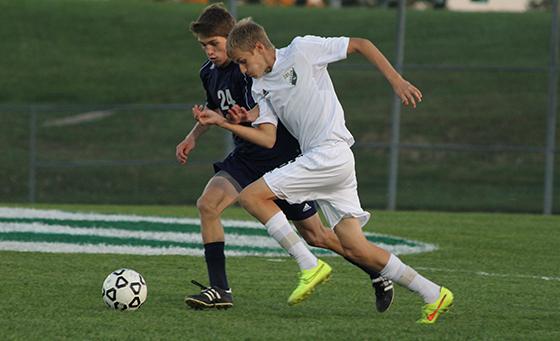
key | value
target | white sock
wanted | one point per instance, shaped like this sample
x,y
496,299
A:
x,y
280,229
406,276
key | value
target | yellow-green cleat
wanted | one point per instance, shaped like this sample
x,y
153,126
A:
x,y
431,312
308,280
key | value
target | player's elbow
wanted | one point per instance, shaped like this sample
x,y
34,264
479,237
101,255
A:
x,y
269,144
266,135
358,45
269,140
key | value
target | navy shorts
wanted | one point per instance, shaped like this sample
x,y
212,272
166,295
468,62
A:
x,y
246,172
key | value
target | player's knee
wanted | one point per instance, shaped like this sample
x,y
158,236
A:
x,y
207,207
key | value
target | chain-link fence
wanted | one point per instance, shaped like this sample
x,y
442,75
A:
x,y
126,155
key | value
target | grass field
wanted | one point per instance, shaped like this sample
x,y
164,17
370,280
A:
x,y
503,269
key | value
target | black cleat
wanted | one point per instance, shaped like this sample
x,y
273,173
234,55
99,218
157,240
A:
x,y
210,297
383,293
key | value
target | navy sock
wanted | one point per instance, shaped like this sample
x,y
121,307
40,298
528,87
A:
x,y
216,264
372,274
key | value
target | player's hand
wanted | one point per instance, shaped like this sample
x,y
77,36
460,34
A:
x,y
237,114
206,116
196,110
184,148
408,93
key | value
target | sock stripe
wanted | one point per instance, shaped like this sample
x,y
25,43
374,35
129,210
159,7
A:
x,y
290,240
280,229
407,276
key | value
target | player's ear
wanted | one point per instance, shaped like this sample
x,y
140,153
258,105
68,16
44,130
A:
x,y
259,47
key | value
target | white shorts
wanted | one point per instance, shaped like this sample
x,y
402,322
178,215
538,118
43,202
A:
x,y
326,175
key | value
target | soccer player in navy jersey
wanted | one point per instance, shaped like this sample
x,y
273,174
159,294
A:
x,y
226,86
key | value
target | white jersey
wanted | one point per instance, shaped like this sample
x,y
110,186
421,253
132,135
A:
x,y
299,92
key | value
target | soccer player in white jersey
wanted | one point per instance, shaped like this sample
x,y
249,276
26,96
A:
x,y
292,84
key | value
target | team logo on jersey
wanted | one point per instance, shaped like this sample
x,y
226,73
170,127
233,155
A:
x,y
290,76
265,93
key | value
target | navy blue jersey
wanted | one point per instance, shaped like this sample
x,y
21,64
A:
x,y
226,86
248,162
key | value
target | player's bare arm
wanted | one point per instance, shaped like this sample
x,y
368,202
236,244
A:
x,y
263,135
407,92
184,148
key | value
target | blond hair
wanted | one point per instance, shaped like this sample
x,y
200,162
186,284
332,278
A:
x,y
245,35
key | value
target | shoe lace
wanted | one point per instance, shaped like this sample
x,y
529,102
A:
x,y
199,285
209,292
382,283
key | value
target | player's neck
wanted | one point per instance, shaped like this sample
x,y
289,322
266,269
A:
x,y
225,64
270,59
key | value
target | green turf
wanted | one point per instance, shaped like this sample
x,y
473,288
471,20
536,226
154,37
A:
x,y
486,259
102,53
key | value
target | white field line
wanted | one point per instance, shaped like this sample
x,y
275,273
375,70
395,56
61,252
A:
x,y
476,273
232,239
406,249
9,212
115,249
31,213
491,274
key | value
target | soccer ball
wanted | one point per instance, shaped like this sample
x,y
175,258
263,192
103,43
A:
x,y
124,289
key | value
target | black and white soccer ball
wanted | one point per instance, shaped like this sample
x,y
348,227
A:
x,y
124,289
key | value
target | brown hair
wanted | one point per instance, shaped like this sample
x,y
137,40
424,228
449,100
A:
x,y
245,35
215,20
